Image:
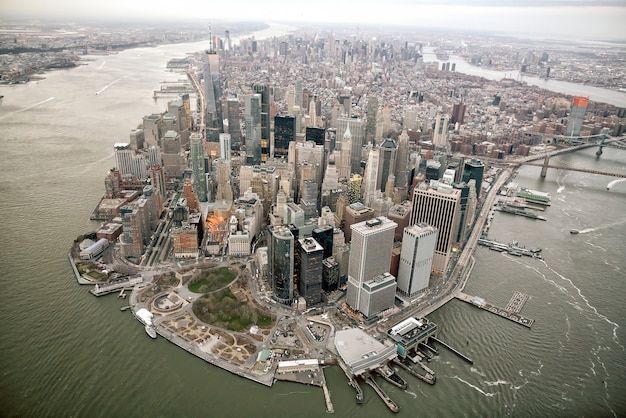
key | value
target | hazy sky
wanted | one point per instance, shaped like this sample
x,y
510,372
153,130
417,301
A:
x,y
579,19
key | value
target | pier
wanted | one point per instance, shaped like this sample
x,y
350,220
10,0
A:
x,y
115,285
352,382
512,249
511,315
428,378
458,353
388,401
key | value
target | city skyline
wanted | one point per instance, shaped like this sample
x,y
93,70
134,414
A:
x,y
559,19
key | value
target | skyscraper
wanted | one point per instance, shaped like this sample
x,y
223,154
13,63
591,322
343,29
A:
x,y
212,90
280,262
370,124
438,206
474,169
284,133
370,256
232,107
402,160
253,128
577,116
371,177
310,256
197,167
416,258
357,134
387,162
264,91
440,134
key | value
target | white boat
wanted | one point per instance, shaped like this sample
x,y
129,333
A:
x,y
151,331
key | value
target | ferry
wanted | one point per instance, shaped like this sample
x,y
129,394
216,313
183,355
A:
x,y
150,331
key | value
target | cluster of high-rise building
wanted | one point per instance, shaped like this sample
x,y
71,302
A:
x,y
351,163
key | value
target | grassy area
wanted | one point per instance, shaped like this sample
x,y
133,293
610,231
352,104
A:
x,y
222,309
212,280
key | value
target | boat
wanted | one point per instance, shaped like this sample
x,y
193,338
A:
x,y
151,331
574,231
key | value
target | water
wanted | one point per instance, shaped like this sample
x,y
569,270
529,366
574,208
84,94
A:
x,y
598,94
67,353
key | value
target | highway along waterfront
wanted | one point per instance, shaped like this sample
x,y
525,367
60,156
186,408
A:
x,y
66,352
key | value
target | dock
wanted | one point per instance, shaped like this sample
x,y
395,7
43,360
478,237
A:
x,y
517,302
352,382
388,401
115,285
511,315
329,404
520,211
512,249
428,378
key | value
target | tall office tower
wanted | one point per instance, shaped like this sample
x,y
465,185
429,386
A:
x,y
371,177
370,124
154,156
400,214
386,121
440,135
323,234
308,199
402,160
370,256
345,167
312,112
280,262
291,98
576,116
357,133
440,208
190,196
390,185
153,205
197,167
299,94
433,169
173,159
284,133
458,113
131,239
212,90
310,255
354,188
224,188
264,91
225,148
252,108
317,135
473,170
113,184
330,274
234,127
387,162
157,178
410,119
129,162
153,129
354,214
416,259
136,139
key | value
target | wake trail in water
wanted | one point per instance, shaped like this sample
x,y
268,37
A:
x,y
35,105
489,395
613,183
593,308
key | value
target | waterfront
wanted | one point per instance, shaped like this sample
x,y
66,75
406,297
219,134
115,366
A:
x,y
68,353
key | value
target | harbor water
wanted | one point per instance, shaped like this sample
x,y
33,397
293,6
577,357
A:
x,y
68,353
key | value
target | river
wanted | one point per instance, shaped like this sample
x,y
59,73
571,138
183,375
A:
x,y
597,94
67,353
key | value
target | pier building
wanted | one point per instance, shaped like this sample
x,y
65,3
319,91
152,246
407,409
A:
x,y
411,332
